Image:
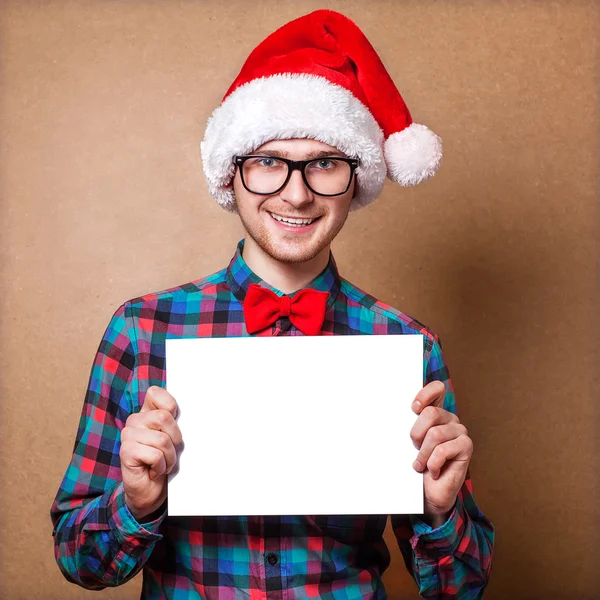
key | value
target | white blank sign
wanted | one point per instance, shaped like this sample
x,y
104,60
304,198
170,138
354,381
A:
x,y
295,425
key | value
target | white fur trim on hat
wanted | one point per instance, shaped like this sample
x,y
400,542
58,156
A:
x,y
287,106
413,154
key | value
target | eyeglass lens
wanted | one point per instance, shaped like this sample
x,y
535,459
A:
x,y
265,175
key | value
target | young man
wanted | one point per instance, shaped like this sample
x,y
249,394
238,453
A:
x,y
296,144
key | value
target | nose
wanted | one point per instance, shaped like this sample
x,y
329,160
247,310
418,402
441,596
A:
x,y
295,192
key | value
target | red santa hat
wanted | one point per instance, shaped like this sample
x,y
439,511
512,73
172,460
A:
x,y
319,77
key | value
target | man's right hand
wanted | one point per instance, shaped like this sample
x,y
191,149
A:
x,y
148,452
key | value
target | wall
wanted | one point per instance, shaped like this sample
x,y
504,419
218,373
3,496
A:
x,y
102,109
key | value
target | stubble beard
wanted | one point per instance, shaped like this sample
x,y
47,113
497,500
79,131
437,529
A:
x,y
297,250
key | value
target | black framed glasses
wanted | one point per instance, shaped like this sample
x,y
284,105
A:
x,y
266,175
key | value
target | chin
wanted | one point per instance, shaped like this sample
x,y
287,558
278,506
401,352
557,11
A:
x,y
291,253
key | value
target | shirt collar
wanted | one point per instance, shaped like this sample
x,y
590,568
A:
x,y
240,276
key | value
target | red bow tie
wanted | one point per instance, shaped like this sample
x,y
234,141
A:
x,y
306,310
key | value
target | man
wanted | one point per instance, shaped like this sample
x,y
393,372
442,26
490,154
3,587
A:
x,y
296,144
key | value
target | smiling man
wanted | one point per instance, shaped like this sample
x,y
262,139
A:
x,y
289,232
307,132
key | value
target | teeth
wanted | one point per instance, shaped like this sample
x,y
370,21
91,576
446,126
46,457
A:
x,y
292,221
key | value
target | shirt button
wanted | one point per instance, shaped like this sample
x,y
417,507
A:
x,y
272,559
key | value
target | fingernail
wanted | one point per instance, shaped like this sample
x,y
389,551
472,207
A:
x,y
417,465
416,405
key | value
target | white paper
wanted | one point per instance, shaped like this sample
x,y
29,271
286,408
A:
x,y
295,425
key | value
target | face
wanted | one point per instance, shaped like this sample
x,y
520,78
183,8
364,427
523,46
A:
x,y
286,243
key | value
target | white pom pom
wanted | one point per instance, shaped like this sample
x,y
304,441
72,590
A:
x,y
412,155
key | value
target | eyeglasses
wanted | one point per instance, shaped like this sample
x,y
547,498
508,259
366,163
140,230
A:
x,y
329,176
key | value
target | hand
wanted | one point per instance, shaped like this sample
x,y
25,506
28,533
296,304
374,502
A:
x,y
445,449
148,453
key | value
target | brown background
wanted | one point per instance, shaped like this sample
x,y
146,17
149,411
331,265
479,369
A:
x,y
103,106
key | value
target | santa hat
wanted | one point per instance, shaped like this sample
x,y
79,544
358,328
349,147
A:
x,y
319,77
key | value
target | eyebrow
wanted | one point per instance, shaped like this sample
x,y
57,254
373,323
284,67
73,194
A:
x,y
313,154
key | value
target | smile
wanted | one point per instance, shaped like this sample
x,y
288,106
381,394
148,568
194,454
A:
x,y
293,222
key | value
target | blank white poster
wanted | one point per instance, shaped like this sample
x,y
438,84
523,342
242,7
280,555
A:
x,y
295,425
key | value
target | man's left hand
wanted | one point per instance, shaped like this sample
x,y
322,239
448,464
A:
x,y
445,450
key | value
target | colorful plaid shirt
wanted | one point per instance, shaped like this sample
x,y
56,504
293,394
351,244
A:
x,y
99,544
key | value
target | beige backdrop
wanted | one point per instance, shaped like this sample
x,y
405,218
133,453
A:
x,y
103,106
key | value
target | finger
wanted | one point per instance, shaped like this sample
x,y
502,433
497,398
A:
x,y
137,455
457,451
439,434
157,397
432,394
431,416
158,419
156,439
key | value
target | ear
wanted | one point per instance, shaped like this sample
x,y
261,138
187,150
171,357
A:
x,y
234,177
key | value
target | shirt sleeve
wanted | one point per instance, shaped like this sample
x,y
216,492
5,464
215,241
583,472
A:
x,y
97,541
454,560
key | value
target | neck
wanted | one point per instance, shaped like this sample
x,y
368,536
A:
x,y
287,277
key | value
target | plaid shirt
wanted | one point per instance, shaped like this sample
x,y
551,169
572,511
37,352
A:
x,y
98,543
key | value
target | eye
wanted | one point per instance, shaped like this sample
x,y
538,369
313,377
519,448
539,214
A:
x,y
323,164
267,161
